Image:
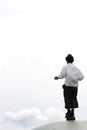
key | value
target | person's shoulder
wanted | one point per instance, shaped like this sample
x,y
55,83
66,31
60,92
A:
x,y
72,65
69,66
64,66
76,68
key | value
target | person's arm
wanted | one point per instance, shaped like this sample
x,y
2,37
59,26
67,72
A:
x,y
80,76
62,74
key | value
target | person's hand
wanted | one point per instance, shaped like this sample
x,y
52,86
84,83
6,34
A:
x,y
56,78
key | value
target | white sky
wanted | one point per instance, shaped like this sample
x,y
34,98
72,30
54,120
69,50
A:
x,y
35,37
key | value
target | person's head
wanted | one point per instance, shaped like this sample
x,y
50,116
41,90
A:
x,y
69,58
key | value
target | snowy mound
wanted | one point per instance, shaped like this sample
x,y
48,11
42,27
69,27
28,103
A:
x,y
66,125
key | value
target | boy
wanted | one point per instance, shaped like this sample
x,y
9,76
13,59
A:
x,y
72,75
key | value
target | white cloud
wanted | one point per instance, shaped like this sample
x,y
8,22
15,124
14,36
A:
x,y
4,12
7,8
22,68
33,117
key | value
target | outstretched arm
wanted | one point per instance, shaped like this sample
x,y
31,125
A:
x,y
62,74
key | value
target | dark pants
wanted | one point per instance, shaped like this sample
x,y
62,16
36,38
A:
x,y
70,97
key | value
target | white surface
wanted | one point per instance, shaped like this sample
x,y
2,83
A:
x,y
66,125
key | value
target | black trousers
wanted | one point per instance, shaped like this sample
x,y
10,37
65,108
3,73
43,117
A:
x,y
70,96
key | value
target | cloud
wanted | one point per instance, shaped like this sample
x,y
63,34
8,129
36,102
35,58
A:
x,y
6,11
22,68
33,117
7,8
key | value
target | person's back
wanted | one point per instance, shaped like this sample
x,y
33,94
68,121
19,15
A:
x,y
72,75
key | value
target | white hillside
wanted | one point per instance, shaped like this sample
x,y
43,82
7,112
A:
x,y
66,125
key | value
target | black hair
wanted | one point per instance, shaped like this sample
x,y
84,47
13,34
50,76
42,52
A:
x,y
69,58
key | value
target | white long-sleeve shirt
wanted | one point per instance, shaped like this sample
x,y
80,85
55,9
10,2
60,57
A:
x,y
71,74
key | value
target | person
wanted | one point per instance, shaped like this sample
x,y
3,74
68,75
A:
x,y
72,75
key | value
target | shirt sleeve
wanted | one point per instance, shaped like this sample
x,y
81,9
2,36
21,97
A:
x,y
62,73
80,76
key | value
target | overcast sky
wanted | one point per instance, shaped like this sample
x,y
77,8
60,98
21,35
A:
x,y
35,37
